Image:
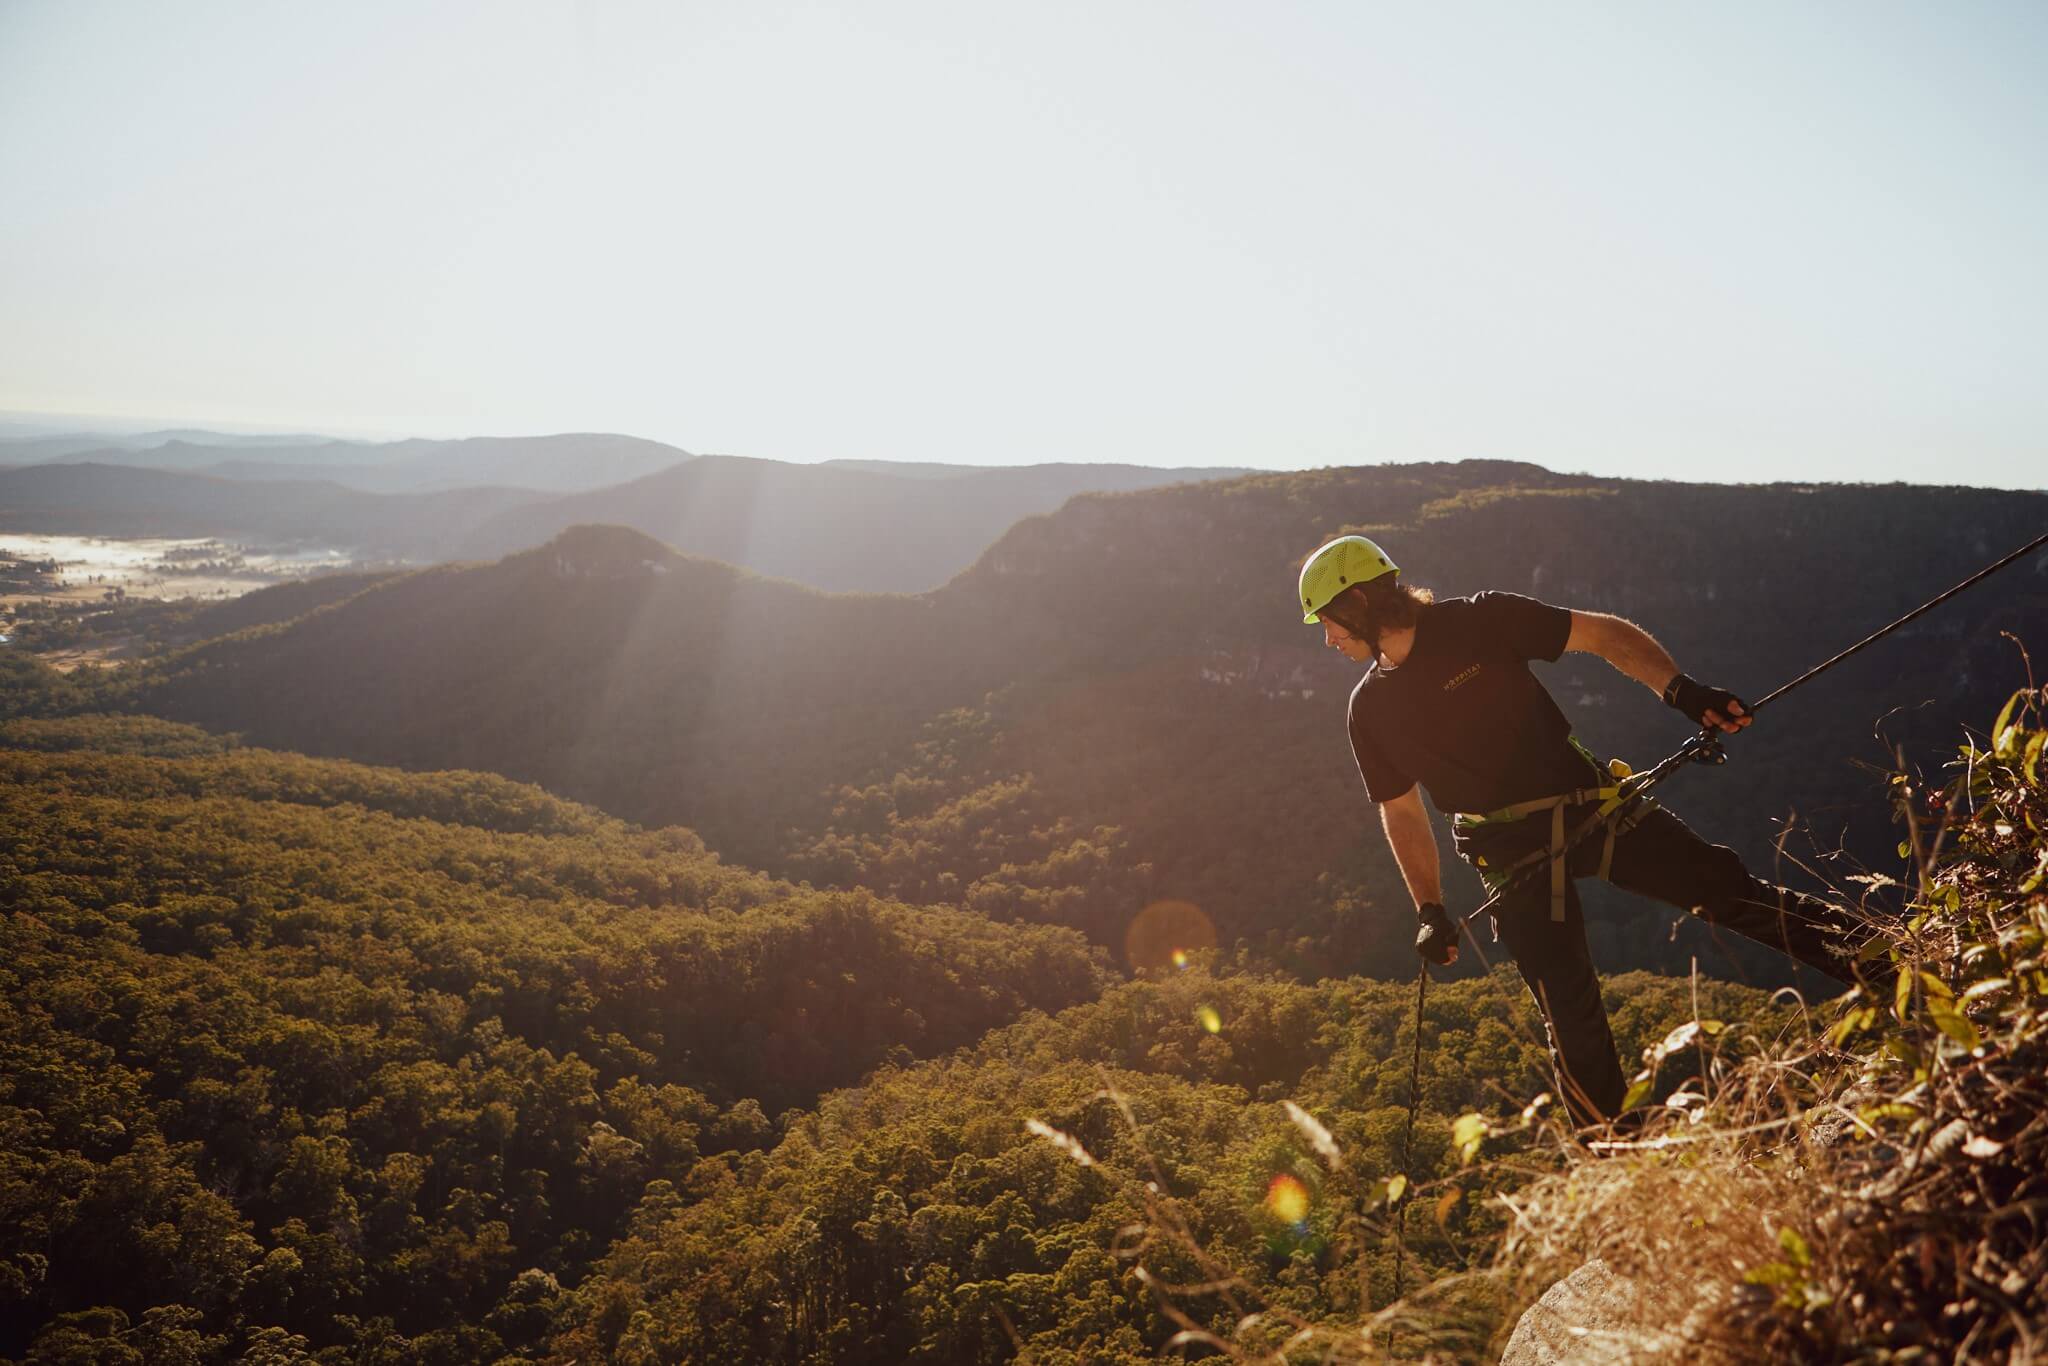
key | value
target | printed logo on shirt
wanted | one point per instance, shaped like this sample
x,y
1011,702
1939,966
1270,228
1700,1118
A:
x,y
1458,681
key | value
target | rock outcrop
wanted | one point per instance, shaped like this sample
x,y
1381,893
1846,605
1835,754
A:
x,y
1590,1318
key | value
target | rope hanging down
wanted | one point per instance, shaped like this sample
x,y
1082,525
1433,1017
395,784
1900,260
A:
x,y
1408,1134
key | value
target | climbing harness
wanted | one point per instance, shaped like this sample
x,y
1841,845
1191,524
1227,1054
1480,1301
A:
x,y
1617,807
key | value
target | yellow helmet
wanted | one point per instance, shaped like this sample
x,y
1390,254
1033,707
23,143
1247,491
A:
x,y
1338,565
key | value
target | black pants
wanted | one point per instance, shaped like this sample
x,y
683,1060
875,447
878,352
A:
x,y
1659,857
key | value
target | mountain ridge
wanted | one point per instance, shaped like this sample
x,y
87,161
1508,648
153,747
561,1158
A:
x,y
829,526
558,462
1132,657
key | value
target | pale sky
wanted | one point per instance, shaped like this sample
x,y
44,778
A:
x,y
1741,240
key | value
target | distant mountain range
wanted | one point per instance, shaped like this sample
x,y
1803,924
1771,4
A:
x,y
37,447
83,498
832,526
1130,665
842,527
560,464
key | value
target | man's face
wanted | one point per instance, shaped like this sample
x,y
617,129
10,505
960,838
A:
x,y
1343,642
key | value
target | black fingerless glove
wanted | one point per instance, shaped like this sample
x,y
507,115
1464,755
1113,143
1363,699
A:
x,y
1696,699
1438,935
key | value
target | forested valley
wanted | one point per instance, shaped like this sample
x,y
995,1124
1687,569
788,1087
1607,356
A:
x,y
604,954
310,1058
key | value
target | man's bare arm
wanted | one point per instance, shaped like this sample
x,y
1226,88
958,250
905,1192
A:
x,y
1630,649
1414,846
1625,645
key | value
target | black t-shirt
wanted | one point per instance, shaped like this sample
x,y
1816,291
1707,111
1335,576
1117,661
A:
x,y
1463,715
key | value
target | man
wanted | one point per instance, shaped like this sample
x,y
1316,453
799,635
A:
x,y
1449,705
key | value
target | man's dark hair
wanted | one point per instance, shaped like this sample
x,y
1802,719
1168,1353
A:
x,y
1382,604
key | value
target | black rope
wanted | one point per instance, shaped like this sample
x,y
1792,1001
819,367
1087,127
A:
x,y
1408,1135
1817,670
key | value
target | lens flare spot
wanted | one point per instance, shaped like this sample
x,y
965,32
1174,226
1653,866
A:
x,y
1211,1019
1287,1199
1166,936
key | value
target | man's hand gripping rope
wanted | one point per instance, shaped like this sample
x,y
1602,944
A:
x,y
1437,940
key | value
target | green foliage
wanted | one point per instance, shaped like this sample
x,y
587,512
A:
x,y
1971,959
116,628
112,735
919,1217
299,1056
1865,1189
29,687
946,828
473,799
297,1048
113,620
1945,1073
277,604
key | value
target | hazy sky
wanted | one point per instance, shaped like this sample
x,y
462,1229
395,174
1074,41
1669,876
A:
x,y
1770,240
